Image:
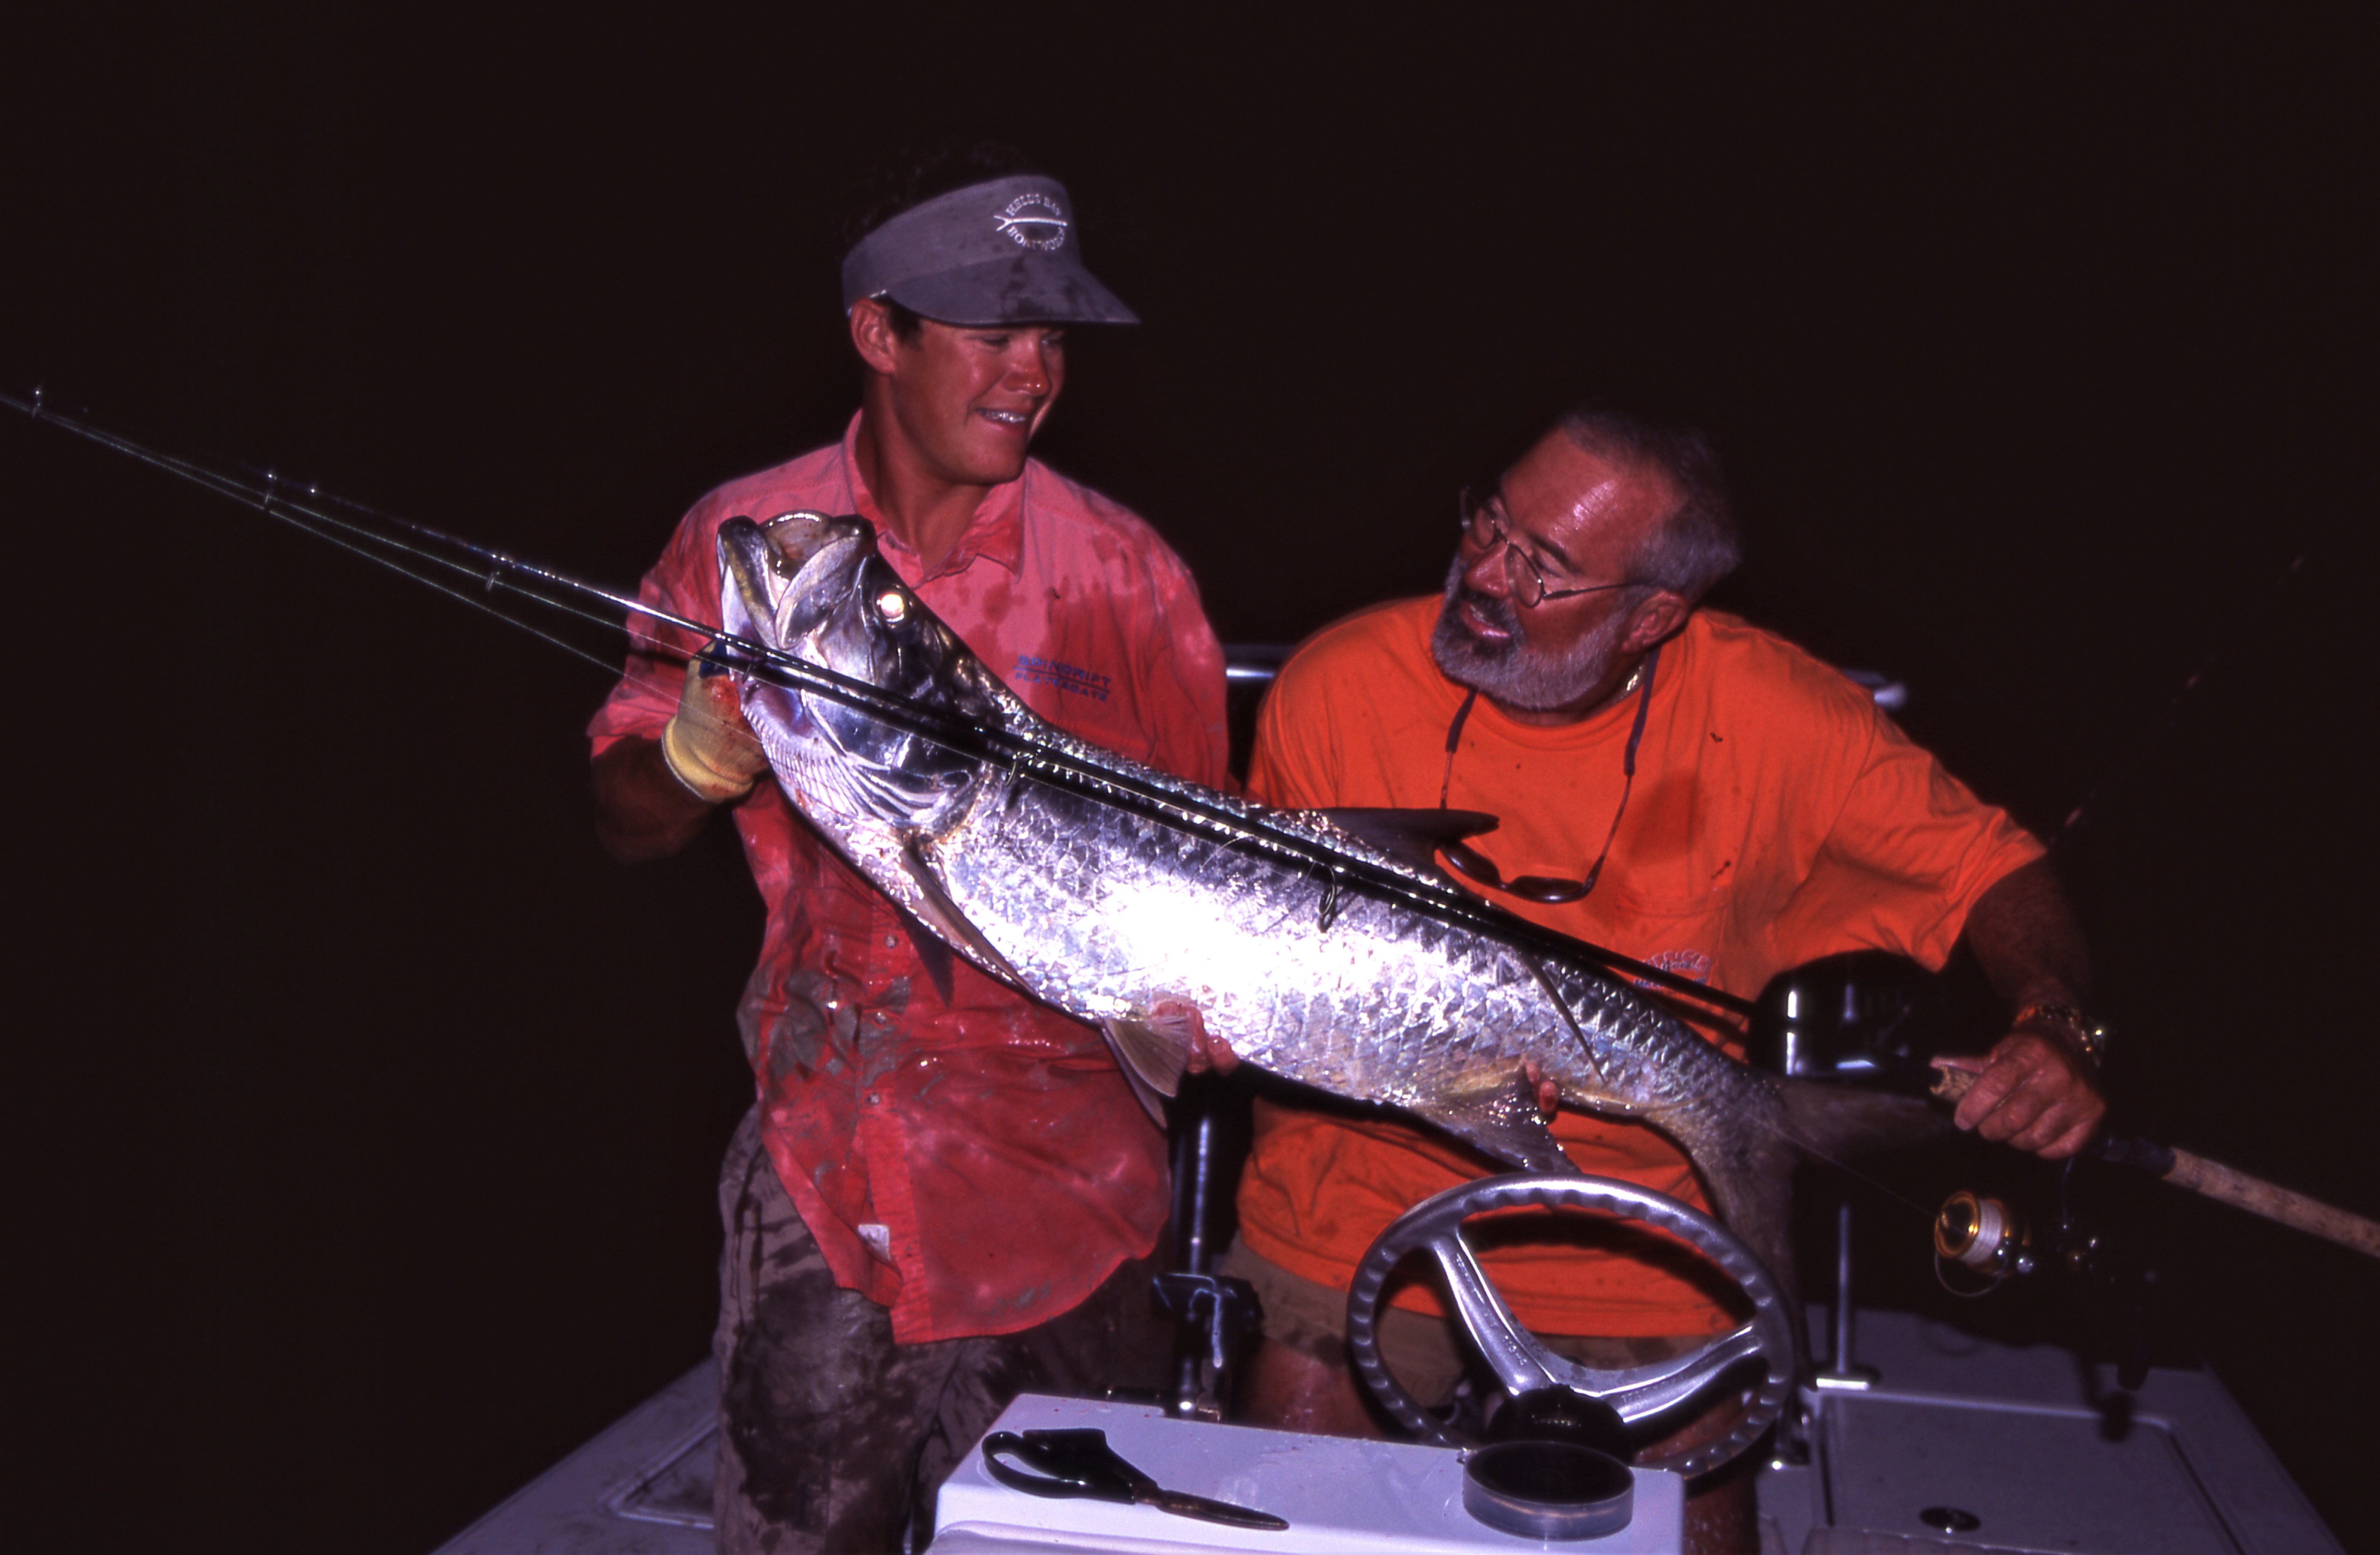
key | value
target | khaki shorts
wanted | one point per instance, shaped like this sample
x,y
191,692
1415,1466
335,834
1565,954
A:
x,y
1425,1354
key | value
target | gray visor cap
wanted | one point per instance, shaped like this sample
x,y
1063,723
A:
x,y
1004,252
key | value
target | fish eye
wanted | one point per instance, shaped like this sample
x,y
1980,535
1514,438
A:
x,y
893,604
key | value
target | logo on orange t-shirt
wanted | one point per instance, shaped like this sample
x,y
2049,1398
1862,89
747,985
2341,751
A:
x,y
1685,963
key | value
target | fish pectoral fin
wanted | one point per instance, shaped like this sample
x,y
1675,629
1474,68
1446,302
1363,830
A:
x,y
1150,1102
1411,836
1151,1051
933,907
934,953
1153,1047
1502,1121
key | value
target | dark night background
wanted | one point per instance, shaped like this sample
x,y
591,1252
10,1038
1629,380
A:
x,y
363,1117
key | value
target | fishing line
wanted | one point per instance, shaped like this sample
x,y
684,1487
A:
x,y
1847,1169
1058,760
608,666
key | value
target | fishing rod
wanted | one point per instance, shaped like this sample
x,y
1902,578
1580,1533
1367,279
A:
x,y
2210,1178
1059,762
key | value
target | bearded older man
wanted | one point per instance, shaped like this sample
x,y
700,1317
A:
x,y
1674,783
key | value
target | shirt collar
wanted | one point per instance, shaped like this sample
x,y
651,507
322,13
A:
x,y
996,533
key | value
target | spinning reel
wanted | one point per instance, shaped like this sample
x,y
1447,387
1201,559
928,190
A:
x,y
1994,1241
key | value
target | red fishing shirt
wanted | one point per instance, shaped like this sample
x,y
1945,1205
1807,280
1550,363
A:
x,y
976,1166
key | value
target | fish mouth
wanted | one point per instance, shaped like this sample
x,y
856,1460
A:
x,y
793,570
798,537
814,588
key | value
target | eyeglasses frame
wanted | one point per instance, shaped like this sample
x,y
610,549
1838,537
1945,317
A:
x,y
1465,507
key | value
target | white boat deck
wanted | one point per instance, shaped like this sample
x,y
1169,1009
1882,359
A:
x,y
2013,1438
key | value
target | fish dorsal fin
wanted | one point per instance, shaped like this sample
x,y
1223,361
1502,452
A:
x,y
1570,1017
1151,1049
1502,1121
1412,836
935,909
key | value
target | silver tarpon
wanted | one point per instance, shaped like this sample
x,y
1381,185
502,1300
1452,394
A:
x,y
1120,915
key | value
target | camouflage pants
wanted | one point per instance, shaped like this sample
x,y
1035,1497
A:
x,y
831,1435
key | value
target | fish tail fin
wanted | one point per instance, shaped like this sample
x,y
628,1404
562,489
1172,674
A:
x,y
1750,1170
1750,1177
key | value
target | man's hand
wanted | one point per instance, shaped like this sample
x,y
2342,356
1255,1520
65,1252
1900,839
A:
x,y
1548,1093
2034,1092
646,805
2037,1090
1208,1051
706,744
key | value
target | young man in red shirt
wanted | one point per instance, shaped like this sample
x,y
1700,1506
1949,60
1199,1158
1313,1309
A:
x,y
936,1201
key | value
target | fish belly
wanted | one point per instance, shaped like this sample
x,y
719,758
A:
x,y
1108,916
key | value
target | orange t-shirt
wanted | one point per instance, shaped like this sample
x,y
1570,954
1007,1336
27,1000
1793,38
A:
x,y
1778,818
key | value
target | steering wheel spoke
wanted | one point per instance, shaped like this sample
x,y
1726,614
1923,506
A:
x,y
1513,1353
1520,1363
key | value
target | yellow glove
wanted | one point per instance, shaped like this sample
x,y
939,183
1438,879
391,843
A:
x,y
706,743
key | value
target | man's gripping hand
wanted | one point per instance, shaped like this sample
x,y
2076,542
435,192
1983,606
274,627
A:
x,y
2034,1092
707,745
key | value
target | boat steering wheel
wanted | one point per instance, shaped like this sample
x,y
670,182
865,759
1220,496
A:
x,y
1522,1364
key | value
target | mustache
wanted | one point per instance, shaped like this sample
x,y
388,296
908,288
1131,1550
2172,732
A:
x,y
1499,613
1503,614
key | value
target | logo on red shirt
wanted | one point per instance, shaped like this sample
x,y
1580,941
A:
x,y
1065,677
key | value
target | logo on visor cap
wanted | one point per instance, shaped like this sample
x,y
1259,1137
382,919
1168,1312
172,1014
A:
x,y
1033,221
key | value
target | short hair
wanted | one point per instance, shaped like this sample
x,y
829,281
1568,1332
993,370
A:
x,y
1699,542
910,175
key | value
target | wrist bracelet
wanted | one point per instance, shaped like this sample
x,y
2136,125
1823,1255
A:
x,y
2091,1036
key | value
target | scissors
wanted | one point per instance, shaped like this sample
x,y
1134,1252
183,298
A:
x,y
1080,1462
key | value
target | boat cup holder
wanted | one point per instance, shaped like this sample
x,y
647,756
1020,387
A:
x,y
1549,1490
1555,1467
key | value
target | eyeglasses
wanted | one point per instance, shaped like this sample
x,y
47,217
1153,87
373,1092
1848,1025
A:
x,y
1550,889
1484,529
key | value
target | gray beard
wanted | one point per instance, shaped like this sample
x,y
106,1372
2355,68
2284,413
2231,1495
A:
x,y
1512,672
